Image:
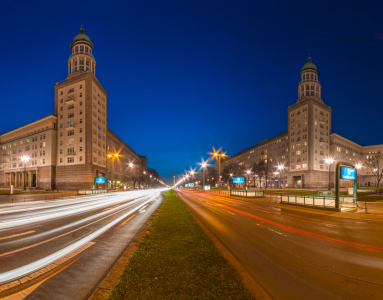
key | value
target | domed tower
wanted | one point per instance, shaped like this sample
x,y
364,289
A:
x,y
81,110
309,128
309,85
81,59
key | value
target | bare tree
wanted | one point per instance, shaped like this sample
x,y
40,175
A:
x,y
263,170
375,164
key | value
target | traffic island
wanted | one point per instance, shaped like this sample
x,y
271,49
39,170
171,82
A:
x,y
177,260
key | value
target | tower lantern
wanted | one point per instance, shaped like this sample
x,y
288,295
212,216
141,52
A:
x,y
309,85
81,60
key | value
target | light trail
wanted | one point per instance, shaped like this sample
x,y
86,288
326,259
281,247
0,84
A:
x,y
97,203
50,214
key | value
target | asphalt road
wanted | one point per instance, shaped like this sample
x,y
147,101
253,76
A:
x,y
63,249
293,254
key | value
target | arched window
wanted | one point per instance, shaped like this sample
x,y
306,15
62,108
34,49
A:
x,y
312,76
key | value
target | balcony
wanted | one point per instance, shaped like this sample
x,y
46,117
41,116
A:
x,y
70,100
81,53
322,121
71,153
70,126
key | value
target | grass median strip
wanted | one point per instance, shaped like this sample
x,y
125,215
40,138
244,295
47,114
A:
x,y
177,260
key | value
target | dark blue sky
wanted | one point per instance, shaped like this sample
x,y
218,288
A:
x,y
183,76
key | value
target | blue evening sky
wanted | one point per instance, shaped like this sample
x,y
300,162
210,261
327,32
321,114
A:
x,y
183,76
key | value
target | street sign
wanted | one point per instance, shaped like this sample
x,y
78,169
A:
x,y
238,179
347,173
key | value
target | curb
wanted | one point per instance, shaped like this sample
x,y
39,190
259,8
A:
x,y
249,282
110,280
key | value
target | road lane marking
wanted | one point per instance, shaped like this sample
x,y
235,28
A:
x,y
47,260
45,269
126,221
299,231
51,239
15,235
24,293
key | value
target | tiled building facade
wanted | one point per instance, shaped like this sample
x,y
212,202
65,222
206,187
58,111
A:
x,y
302,150
72,146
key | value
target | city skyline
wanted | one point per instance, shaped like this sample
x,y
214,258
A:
x,y
193,87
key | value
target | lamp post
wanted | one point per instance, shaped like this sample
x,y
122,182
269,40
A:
x,y
25,159
329,161
131,174
375,175
204,168
280,168
358,166
114,156
248,176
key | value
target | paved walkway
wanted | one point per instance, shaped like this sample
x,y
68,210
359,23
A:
x,y
27,197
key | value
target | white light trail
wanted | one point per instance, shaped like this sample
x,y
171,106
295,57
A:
x,y
32,267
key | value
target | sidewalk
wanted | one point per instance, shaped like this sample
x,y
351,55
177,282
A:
x,y
27,197
346,215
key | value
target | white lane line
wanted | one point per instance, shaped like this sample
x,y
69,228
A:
x,y
15,235
41,272
32,267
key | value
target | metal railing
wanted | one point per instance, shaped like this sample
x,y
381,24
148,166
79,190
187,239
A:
x,y
91,192
252,194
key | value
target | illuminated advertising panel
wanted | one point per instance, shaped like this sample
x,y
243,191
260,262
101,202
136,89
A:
x,y
100,180
238,179
347,173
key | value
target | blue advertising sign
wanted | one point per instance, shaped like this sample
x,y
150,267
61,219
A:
x,y
347,173
100,180
238,179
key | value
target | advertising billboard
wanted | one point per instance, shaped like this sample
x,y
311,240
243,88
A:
x,y
238,179
347,173
207,187
100,180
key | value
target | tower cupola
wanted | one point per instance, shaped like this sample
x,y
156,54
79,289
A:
x,y
81,60
309,85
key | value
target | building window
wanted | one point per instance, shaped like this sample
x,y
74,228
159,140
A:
x,y
80,158
80,139
70,115
61,117
61,143
80,103
61,125
61,151
80,95
61,160
80,121
61,108
80,149
70,142
80,112
44,161
70,160
80,130
62,92
81,84
70,132
61,134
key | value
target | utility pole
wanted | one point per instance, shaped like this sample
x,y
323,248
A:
x,y
174,177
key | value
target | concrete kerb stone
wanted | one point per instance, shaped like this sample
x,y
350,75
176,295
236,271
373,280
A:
x,y
250,283
106,286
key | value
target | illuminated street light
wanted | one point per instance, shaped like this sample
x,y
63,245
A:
x,y
329,161
25,159
358,166
114,156
281,168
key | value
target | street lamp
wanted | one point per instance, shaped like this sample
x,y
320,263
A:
x,y
375,175
114,156
25,159
280,168
131,173
358,166
248,174
329,161
204,168
217,155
